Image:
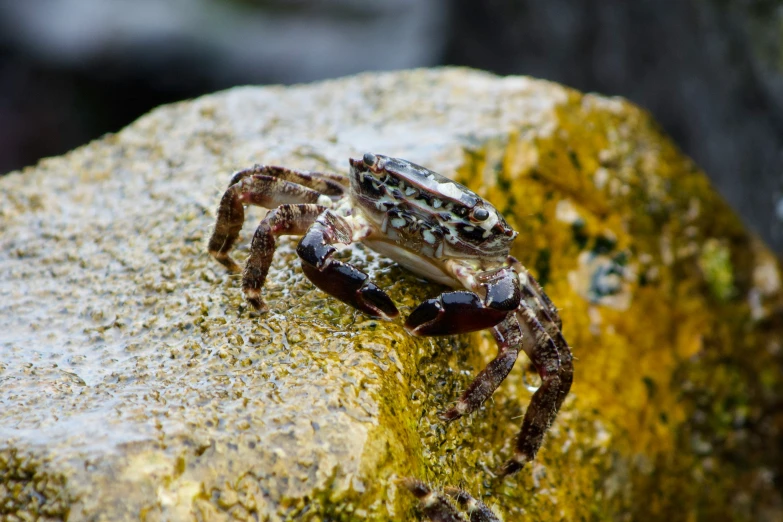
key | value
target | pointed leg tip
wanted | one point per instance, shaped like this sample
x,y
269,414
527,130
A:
x,y
512,466
418,488
452,414
258,304
226,261
449,415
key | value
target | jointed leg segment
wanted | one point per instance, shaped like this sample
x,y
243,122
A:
x,y
266,187
440,508
553,362
297,199
489,379
283,220
333,185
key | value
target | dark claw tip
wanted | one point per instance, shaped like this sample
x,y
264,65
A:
x,y
378,303
369,159
415,486
258,304
510,467
425,313
449,415
225,260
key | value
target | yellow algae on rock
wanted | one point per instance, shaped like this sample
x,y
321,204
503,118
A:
x,y
673,410
137,385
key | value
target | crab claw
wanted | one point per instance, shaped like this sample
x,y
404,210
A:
x,y
353,287
453,313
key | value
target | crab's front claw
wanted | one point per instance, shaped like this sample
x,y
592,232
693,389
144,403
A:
x,y
352,286
453,313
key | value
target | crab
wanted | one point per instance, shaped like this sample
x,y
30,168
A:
x,y
430,225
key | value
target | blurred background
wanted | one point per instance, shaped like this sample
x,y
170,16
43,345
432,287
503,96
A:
x,y
711,71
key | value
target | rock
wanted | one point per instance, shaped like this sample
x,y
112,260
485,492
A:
x,y
715,80
137,384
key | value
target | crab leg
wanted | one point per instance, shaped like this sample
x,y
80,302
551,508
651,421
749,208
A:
x,y
490,378
439,508
462,311
322,182
553,361
522,330
446,316
341,280
283,220
478,511
510,341
266,187
533,290
535,299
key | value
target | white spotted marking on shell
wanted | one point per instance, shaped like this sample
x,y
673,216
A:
x,y
397,222
383,201
429,237
450,190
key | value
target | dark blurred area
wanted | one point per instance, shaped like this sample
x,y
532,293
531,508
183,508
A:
x,y
711,71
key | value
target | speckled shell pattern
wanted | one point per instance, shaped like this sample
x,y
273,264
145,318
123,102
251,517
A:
x,y
426,212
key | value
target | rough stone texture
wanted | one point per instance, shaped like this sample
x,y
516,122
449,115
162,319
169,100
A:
x,y
136,384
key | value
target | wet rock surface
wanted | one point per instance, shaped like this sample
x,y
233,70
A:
x,y
136,384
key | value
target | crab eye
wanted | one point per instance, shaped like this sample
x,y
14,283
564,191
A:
x,y
479,214
369,159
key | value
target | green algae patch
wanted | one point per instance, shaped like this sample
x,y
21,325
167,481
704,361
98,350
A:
x,y
137,384
715,263
28,491
675,339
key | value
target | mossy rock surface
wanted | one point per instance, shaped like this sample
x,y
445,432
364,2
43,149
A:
x,y
136,384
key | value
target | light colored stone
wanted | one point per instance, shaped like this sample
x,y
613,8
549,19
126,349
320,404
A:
x,y
135,383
